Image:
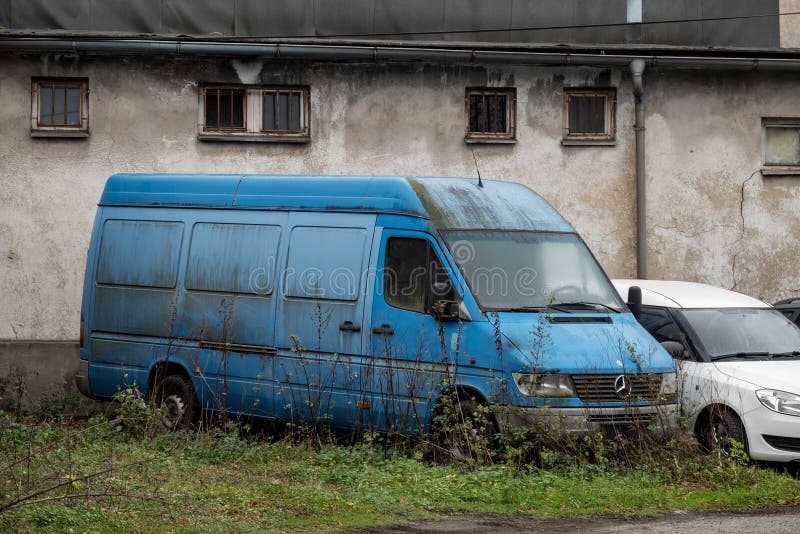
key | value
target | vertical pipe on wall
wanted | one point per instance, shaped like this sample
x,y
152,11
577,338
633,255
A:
x,y
637,69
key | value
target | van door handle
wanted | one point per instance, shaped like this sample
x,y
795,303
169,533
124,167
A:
x,y
383,329
350,326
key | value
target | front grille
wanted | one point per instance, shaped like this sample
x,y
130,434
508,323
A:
x,y
621,419
783,443
602,388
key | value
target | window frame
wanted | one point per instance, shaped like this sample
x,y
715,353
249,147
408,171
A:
x,y
777,169
222,130
253,130
59,130
507,137
609,137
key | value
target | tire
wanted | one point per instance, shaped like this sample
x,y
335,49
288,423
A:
x,y
722,428
468,432
176,395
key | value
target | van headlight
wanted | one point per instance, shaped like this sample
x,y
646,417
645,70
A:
x,y
669,384
544,385
780,401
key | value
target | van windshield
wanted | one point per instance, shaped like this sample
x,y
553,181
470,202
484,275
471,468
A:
x,y
531,271
731,333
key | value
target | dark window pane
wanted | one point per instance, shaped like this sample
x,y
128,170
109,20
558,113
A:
x,y
487,113
295,115
269,112
587,115
474,108
212,108
237,120
283,111
46,105
59,94
405,277
224,109
74,106
501,115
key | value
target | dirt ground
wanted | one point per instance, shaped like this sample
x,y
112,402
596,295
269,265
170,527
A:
x,y
780,521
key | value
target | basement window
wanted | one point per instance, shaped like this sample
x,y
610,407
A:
x,y
254,113
59,107
589,116
781,146
491,115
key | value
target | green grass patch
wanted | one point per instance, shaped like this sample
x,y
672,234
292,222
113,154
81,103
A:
x,y
96,477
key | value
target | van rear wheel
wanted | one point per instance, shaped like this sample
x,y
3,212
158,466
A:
x,y
175,394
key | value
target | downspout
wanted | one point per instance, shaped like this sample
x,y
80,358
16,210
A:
x,y
637,69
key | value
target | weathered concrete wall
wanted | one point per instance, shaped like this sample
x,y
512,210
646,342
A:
x,y
790,23
712,217
365,120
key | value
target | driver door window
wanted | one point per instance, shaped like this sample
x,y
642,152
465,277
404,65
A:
x,y
413,276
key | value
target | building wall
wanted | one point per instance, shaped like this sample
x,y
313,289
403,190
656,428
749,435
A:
x,y
364,120
711,216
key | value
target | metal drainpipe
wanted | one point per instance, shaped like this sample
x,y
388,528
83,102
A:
x,y
637,68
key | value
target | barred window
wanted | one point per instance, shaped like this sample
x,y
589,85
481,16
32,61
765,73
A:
x,y
59,107
490,114
589,116
254,113
225,109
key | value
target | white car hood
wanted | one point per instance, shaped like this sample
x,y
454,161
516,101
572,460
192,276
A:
x,y
783,375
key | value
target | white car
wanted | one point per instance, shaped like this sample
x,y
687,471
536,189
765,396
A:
x,y
738,365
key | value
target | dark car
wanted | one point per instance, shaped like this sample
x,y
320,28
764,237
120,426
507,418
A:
x,y
790,308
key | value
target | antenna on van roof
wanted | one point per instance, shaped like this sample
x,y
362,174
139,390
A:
x,y
478,169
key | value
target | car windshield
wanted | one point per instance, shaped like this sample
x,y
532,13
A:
x,y
522,270
743,332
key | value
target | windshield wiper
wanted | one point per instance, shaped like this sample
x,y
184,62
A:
x,y
536,309
585,304
790,354
753,354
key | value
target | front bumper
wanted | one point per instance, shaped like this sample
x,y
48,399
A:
x,y
661,418
772,436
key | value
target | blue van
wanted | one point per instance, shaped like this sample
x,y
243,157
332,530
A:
x,y
358,301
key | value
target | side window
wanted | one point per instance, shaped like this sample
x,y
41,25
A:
x,y
413,275
661,326
325,263
140,253
233,258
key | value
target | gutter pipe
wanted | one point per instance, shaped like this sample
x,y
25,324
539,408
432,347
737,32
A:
x,y
637,69
385,52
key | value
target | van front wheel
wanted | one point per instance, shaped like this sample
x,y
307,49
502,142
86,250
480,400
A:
x,y
465,429
175,395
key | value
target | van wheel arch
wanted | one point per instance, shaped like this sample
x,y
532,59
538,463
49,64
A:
x,y
170,386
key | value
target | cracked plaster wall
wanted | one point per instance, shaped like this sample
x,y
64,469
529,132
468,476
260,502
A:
x,y
712,216
703,136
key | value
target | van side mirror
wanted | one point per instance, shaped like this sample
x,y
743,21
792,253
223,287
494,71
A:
x,y
674,348
635,301
447,310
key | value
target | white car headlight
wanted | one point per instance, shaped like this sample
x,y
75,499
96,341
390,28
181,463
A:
x,y
780,401
544,385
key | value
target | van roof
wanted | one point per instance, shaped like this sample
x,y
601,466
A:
x,y
450,203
